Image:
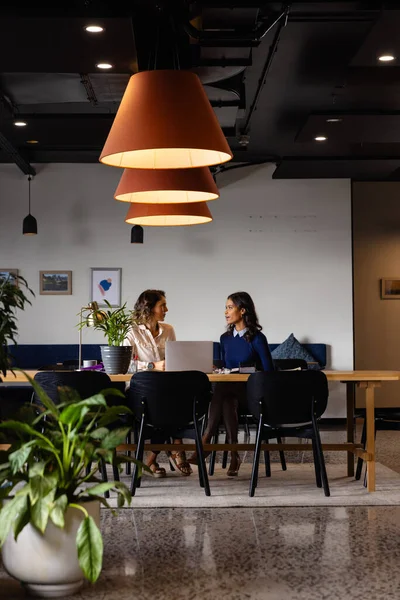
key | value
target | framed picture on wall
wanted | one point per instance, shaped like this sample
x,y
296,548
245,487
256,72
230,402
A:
x,y
390,288
105,284
55,282
9,275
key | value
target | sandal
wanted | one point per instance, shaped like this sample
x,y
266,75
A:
x,y
157,470
178,461
231,472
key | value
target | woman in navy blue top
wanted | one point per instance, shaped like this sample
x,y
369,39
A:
x,y
243,344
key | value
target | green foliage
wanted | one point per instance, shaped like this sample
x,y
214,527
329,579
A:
x,y
12,297
43,473
114,323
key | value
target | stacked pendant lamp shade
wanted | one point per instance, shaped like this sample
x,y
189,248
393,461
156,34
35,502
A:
x,y
167,215
165,121
166,186
165,135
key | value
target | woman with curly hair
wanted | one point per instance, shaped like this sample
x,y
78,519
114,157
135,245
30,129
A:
x,y
242,344
148,336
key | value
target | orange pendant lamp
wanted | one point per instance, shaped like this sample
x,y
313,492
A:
x,y
168,215
165,121
166,186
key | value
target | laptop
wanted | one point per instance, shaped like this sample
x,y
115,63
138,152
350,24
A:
x,y
189,356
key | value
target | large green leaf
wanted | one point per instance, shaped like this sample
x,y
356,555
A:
x,y
37,469
96,490
9,513
23,517
19,457
73,413
40,486
57,513
99,433
40,511
124,494
90,549
115,438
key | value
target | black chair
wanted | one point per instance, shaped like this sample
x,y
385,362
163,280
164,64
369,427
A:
x,y
281,364
298,398
86,383
170,404
386,419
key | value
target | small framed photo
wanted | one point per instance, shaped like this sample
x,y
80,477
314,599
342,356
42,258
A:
x,y
55,282
105,284
10,275
390,288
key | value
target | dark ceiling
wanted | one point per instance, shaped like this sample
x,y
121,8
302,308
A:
x,y
275,74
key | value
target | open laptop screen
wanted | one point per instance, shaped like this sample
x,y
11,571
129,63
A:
x,y
189,356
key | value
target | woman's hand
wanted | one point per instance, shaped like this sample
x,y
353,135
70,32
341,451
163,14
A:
x,y
160,365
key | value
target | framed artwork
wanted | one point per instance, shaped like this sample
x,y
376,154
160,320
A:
x,y
55,282
390,288
9,274
105,284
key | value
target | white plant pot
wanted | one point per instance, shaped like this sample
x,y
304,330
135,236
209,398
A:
x,y
47,565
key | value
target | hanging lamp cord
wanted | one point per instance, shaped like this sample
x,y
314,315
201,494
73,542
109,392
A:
x,y
29,194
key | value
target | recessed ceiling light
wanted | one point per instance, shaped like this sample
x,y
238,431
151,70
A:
x,y
20,123
104,66
32,141
320,138
94,28
334,120
386,57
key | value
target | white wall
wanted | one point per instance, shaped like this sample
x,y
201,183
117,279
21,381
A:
x,y
286,242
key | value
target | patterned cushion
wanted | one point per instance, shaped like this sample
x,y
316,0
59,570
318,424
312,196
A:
x,y
291,348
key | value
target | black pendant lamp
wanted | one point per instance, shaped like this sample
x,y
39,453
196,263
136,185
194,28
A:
x,y
137,234
29,225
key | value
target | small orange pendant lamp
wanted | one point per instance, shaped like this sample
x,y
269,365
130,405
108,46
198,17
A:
x,y
165,121
168,215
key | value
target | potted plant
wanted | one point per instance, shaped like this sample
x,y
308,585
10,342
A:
x,y
12,296
115,324
49,519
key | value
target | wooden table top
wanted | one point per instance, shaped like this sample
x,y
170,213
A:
x,y
365,375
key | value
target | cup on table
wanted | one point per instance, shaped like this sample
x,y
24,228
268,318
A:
x,y
89,363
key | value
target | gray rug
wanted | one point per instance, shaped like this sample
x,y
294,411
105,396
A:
x,y
294,487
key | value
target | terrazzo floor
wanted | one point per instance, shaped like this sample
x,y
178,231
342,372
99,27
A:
x,y
319,553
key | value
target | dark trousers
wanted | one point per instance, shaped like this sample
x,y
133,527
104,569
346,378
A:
x,y
226,400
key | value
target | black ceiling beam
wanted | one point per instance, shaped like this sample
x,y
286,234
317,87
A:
x,y
15,156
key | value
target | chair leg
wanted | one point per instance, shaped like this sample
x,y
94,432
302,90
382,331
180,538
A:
x,y
318,447
282,455
366,466
129,454
135,483
103,470
256,459
213,456
115,468
267,461
203,477
360,460
318,479
225,456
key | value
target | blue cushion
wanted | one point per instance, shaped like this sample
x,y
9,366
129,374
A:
x,y
291,348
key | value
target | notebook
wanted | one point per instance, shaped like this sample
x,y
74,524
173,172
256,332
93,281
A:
x,y
189,356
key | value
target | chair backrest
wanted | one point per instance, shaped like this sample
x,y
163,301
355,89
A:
x,y
86,383
289,364
287,396
168,397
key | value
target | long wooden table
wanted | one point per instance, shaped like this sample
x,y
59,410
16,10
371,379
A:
x,y
367,380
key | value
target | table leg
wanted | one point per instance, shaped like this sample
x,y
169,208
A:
x,y
350,404
370,445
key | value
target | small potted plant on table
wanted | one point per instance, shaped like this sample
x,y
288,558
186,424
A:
x,y
115,324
